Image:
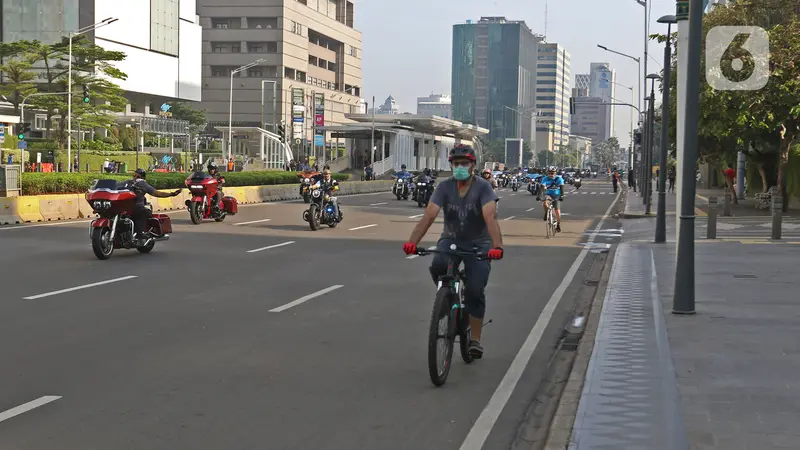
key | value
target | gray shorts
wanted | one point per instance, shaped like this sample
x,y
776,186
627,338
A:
x,y
554,202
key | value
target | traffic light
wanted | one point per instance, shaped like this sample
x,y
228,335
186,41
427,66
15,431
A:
x,y
637,137
85,94
571,105
282,130
24,128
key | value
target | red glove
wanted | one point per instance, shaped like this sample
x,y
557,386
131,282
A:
x,y
495,253
410,248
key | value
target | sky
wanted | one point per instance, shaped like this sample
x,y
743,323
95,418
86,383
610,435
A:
x,y
407,44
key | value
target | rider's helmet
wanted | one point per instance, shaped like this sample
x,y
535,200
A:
x,y
140,173
427,172
486,172
551,170
403,167
212,166
462,151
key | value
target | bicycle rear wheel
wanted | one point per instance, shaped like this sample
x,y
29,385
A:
x,y
441,338
548,224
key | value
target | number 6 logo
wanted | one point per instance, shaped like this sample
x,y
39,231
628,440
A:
x,y
723,47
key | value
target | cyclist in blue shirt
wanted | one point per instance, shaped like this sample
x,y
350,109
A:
x,y
554,189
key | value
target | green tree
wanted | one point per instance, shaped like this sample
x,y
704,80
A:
x,y
608,152
18,81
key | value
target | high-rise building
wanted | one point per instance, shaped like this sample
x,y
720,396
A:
x,y
494,76
161,40
303,44
388,107
589,119
582,83
601,85
553,81
435,105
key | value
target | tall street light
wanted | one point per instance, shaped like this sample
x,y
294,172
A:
x,y
646,41
80,31
661,215
651,128
638,61
683,297
230,105
630,147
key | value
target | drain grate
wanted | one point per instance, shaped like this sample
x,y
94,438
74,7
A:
x,y
745,275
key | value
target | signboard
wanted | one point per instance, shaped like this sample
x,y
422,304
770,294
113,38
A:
x,y
319,110
22,145
165,110
2,133
298,113
319,140
514,152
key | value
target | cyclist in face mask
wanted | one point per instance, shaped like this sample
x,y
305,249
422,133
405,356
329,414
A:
x,y
470,220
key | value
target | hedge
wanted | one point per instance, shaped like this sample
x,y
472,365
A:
x,y
78,183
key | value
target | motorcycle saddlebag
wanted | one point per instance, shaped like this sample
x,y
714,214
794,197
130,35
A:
x,y
161,224
230,205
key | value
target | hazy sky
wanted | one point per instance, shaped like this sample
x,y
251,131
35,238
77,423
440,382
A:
x,y
408,43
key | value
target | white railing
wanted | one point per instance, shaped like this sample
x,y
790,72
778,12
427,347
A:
x,y
381,167
339,164
274,152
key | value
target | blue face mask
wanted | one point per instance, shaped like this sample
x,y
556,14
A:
x,y
460,173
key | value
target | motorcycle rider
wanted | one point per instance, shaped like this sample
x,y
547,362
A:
x,y
487,175
554,189
141,213
329,186
469,206
214,172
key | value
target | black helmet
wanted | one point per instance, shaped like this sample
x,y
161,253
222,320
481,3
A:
x,y
427,172
141,173
403,167
212,166
462,151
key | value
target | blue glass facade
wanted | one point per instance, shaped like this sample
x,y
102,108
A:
x,y
43,20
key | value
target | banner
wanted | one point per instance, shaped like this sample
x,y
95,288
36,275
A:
x,y
319,120
298,112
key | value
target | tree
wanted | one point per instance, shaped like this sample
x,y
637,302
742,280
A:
x,y
18,81
608,152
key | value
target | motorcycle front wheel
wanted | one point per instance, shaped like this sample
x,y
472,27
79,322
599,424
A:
x,y
314,217
102,245
196,212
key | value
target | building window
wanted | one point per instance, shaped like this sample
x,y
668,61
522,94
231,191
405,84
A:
x,y
223,71
297,28
226,22
259,23
256,71
353,52
262,47
226,47
547,66
164,26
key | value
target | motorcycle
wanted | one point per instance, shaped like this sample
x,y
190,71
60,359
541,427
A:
x,y
533,187
322,210
576,182
305,185
515,184
204,189
423,192
114,203
401,188
503,180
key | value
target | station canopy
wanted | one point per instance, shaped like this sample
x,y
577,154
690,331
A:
x,y
433,125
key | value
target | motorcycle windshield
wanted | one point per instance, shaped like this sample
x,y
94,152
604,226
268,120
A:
x,y
200,176
112,185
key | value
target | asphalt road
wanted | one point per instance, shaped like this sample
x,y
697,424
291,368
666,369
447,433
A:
x,y
258,333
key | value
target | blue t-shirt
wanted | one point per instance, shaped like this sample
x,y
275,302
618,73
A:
x,y
463,216
403,174
553,185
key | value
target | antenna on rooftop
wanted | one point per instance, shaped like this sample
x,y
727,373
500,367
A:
x,y
545,20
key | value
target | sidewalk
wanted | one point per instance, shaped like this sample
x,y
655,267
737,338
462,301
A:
x,y
725,378
745,208
635,207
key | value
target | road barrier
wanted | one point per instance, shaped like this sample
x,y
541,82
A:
x,y
42,208
711,231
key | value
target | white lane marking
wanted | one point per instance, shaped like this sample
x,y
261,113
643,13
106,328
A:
x,y
414,217
499,196
529,209
51,224
363,226
271,246
483,425
379,204
25,407
593,193
252,221
512,195
584,193
417,256
78,288
306,298
509,218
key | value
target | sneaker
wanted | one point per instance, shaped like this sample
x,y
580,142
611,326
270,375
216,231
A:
x,y
475,349
558,227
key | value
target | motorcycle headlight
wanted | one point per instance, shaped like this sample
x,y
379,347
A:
x,y
420,184
196,186
399,181
307,180
316,193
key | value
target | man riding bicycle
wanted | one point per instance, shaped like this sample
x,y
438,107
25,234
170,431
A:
x,y
554,193
469,205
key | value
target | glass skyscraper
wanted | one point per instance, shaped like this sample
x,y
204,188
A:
x,y
494,76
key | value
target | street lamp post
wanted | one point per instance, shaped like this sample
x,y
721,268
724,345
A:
x,y
683,297
630,148
71,35
230,104
661,215
651,125
646,42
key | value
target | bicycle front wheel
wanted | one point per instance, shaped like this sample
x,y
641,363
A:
x,y
441,338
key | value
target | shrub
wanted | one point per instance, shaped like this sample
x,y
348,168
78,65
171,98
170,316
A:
x,y
77,183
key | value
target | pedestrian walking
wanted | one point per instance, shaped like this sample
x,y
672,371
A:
x,y
671,179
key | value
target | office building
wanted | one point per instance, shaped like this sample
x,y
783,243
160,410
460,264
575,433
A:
x,y
306,44
582,83
601,85
161,40
553,81
581,147
435,105
494,76
589,119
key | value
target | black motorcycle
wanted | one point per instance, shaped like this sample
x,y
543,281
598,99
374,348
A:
x,y
401,188
514,183
423,192
305,189
322,210
533,187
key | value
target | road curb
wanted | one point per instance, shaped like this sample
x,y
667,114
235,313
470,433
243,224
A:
x,y
560,430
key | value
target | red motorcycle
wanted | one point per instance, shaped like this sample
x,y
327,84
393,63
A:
x,y
114,203
204,189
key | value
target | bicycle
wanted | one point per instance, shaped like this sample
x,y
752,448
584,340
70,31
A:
x,y
550,221
448,318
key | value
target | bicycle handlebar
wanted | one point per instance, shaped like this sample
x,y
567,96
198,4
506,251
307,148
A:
x,y
425,251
